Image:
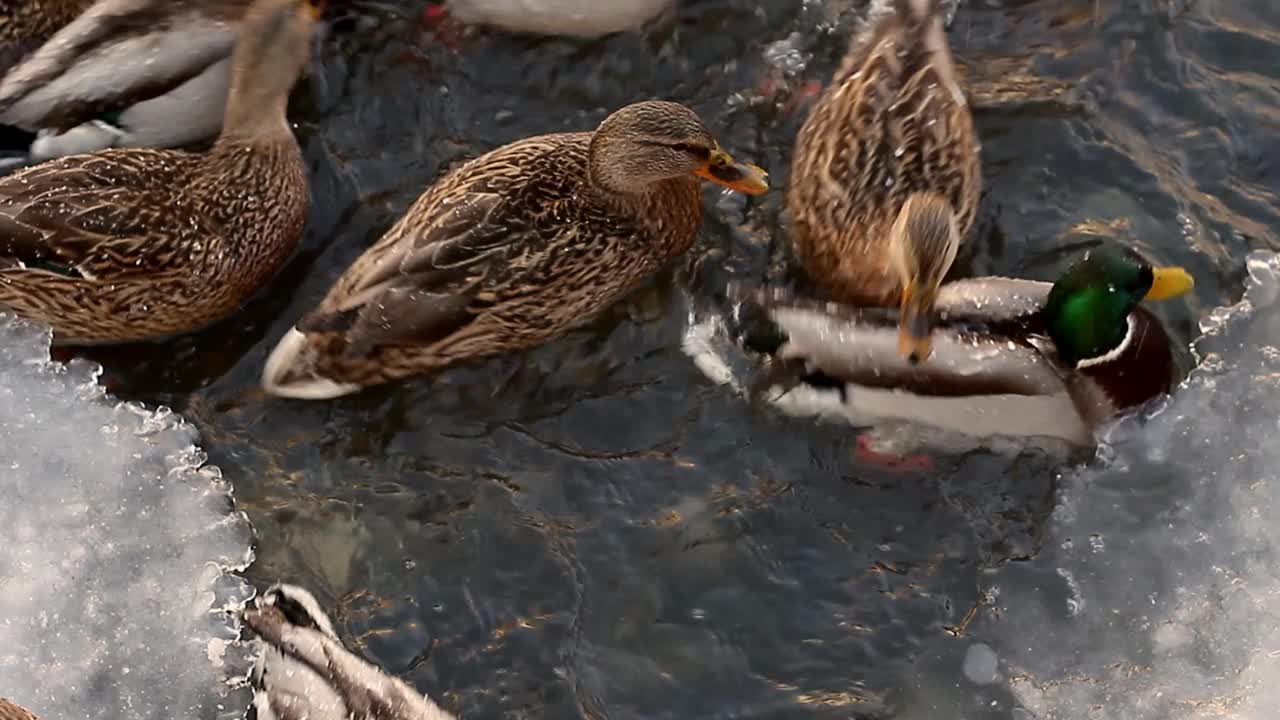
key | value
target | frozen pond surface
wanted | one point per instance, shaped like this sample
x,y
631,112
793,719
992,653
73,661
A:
x,y
117,538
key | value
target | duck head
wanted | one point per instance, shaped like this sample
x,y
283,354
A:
x,y
923,244
647,142
1088,309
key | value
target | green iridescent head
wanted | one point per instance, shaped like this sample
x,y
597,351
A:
x,y
1087,313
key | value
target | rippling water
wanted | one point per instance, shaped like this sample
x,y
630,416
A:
x,y
594,529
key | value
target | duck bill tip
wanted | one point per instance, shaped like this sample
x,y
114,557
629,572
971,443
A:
x,y
915,327
740,177
1170,282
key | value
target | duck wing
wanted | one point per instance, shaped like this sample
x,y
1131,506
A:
x,y
113,215
116,53
423,280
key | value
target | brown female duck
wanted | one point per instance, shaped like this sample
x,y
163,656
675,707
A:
x,y
511,250
134,243
885,178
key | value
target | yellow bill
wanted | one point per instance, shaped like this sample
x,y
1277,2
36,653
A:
x,y
1169,282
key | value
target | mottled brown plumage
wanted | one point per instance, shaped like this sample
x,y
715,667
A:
x,y
25,24
10,710
510,250
133,243
889,142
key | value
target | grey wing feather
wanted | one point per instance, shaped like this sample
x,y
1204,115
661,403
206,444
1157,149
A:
x,y
108,58
423,288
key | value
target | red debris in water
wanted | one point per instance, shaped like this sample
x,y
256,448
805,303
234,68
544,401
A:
x,y
436,18
866,452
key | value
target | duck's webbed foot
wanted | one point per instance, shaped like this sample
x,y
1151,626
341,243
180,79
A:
x,y
867,451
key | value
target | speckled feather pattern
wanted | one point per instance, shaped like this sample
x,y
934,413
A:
x,y
892,122
25,24
510,250
12,711
136,243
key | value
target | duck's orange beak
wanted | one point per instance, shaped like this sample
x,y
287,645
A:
x,y
723,170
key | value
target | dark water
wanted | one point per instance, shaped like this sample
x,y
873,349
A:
x,y
594,529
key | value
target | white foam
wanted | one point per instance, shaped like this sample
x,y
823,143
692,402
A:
x,y
117,540
1167,556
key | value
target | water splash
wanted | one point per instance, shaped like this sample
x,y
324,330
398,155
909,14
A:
x,y
1174,615
118,541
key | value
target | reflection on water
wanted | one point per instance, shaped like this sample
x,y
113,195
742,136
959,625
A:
x,y
595,529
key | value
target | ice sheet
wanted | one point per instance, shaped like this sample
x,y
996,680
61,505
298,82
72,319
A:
x,y
116,540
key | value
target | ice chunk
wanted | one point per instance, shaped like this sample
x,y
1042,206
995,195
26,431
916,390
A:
x,y
1177,608
117,545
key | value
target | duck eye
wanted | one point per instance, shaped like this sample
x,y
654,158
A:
x,y
682,147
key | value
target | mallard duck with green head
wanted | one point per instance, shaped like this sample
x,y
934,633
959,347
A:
x,y
135,243
1011,357
885,176
117,73
510,250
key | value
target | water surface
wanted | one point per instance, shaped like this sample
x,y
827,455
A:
x,y
594,529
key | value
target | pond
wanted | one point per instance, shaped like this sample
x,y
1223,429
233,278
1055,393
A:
x,y
595,529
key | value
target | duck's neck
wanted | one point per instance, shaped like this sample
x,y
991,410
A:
x,y
1140,368
254,115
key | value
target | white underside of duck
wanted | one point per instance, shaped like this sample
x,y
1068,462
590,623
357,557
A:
x,y
279,373
982,417
189,113
1025,396
582,18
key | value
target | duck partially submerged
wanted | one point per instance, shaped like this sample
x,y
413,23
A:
x,y
135,243
1012,358
886,177
122,73
512,249
577,18
306,672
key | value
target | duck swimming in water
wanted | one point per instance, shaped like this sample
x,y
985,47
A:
x,y
885,177
511,250
305,672
137,243
1012,357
